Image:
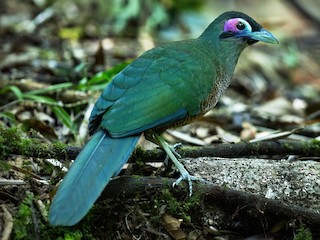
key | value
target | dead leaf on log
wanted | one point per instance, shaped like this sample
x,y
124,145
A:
x,y
172,225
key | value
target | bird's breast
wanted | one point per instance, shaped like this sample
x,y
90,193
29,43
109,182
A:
x,y
221,83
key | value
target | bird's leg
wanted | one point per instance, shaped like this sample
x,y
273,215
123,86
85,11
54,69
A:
x,y
150,136
184,173
173,149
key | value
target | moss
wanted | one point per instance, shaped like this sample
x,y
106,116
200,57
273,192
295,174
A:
x,y
311,145
183,208
315,144
9,139
303,234
139,162
77,235
34,146
23,220
59,147
28,224
111,217
11,142
4,166
14,141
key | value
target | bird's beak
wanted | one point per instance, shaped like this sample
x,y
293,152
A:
x,y
264,36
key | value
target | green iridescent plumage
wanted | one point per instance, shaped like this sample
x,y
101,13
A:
x,y
167,86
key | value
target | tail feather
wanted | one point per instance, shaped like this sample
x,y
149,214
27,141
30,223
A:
x,y
100,159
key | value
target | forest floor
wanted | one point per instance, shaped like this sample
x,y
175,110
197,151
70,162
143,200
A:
x,y
259,147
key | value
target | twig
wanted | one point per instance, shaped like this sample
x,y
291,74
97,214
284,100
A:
x,y
8,223
11,182
36,227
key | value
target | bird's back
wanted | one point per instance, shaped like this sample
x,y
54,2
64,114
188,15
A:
x,y
163,86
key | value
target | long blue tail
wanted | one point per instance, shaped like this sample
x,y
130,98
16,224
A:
x,y
100,159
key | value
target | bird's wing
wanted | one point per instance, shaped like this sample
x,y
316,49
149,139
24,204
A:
x,y
162,86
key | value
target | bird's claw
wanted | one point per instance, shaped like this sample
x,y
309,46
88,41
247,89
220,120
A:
x,y
172,154
189,178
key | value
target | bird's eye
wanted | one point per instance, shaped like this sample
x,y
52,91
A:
x,y
240,26
237,25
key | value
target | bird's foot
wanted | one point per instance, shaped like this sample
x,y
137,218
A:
x,y
172,155
185,175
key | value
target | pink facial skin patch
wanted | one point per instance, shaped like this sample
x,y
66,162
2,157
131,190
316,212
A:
x,y
237,25
231,24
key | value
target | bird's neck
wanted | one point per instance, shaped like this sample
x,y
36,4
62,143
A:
x,y
226,52
230,51
224,56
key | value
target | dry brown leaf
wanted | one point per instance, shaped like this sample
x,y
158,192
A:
x,y
276,135
249,131
186,138
172,225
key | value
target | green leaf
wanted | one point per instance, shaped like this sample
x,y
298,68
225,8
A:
x,y
80,67
16,91
10,116
51,88
97,87
100,80
72,33
42,99
64,117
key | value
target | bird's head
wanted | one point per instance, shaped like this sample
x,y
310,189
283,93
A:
x,y
240,25
237,26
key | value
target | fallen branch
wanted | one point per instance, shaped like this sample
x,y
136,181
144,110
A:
x,y
269,148
214,195
14,143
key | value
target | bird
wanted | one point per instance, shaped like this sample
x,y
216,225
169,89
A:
x,y
166,87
